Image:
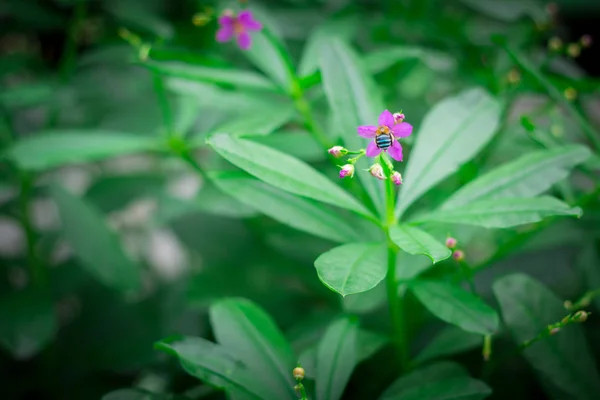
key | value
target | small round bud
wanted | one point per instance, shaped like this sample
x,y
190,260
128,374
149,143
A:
x,y
347,171
377,171
298,373
573,50
337,151
397,178
298,388
398,117
555,44
580,316
458,255
554,331
451,242
570,94
585,41
568,304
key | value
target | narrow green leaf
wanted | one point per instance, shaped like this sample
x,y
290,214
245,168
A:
x,y
336,358
562,361
448,342
55,148
354,100
452,133
456,306
263,119
527,176
299,144
502,213
94,244
27,322
228,76
250,333
283,171
28,95
213,364
352,268
380,60
297,212
441,381
416,241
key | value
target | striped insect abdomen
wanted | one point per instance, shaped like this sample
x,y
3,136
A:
x,y
383,141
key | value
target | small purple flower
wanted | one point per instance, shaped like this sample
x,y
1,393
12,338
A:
x,y
377,171
397,178
386,136
458,255
451,242
347,170
238,26
337,151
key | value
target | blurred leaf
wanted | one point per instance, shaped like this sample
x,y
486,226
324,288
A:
x,y
140,16
228,76
261,120
416,241
299,144
249,332
297,212
409,266
502,213
527,176
352,268
365,302
94,244
588,264
27,95
55,148
114,192
441,381
283,171
336,358
382,59
213,364
27,322
448,342
456,306
451,133
354,100
508,10
563,361
139,394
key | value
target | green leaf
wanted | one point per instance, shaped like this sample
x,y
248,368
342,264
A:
x,y
508,10
228,76
299,144
456,306
448,342
451,133
55,148
354,100
282,171
250,333
352,268
261,120
441,381
380,60
213,364
297,212
336,358
139,394
27,322
563,361
527,176
416,241
28,95
502,213
269,55
93,243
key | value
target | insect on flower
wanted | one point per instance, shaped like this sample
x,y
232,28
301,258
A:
x,y
386,136
238,26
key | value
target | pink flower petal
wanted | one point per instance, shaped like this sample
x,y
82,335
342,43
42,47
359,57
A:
x,y
226,20
225,33
395,151
367,131
402,130
247,20
244,40
386,119
373,150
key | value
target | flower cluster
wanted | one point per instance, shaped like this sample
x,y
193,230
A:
x,y
386,135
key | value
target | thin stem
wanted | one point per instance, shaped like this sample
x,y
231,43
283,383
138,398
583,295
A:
x,y
310,124
302,390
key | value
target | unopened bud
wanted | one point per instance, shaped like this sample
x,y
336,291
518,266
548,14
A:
x,y
337,151
347,171
398,117
298,388
298,373
555,43
580,316
586,41
458,255
451,242
554,331
568,304
397,178
377,171
573,50
570,94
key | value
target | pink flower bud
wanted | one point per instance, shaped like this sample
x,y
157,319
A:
x,y
347,170
451,242
458,255
337,151
398,117
397,178
377,171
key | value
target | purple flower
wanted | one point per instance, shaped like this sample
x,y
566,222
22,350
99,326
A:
x,y
458,255
337,151
377,171
347,170
386,136
397,178
238,26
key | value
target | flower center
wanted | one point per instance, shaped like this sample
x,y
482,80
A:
x,y
381,130
237,27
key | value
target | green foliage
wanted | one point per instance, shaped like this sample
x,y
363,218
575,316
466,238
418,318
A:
x,y
415,241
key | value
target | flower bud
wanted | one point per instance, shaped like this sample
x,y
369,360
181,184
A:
x,y
347,170
586,41
554,331
568,304
298,373
570,94
337,151
397,178
458,255
580,316
555,43
451,242
377,171
398,117
298,388
573,50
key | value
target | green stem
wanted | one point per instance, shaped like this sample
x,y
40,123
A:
x,y
36,269
310,124
300,387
